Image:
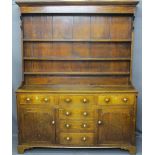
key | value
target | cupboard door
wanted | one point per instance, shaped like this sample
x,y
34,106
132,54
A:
x,y
37,125
115,125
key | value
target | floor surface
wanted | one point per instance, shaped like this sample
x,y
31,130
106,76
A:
x,y
76,151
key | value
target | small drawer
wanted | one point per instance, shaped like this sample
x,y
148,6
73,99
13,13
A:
x,y
35,99
78,139
76,113
109,99
71,100
76,126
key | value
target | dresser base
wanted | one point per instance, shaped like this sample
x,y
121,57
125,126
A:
x,y
22,148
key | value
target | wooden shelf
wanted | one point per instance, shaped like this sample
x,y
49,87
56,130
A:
x,y
76,40
76,59
76,73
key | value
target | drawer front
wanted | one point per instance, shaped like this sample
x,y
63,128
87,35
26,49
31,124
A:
x,y
78,139
71,100
76,126
109,99
35,99
76,113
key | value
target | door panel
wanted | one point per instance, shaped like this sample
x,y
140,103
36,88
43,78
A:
x,y
36,125
116,125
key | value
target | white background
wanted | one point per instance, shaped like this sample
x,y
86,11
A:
x,y
148,77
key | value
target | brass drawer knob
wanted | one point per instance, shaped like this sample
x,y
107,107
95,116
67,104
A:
x,y
84,139
67,113
53,122
28,99
85,100
85,113
68,100
68,138
45,99
67,125
107,100
99,122
125,99
84,125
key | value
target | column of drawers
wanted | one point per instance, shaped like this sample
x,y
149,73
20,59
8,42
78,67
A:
x,y
77,120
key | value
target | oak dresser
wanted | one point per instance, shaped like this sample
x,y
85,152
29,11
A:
x,y
77,87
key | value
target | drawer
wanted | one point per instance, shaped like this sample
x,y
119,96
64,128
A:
x,y
109,99
76,100
77,139
76,113
76,126
35,99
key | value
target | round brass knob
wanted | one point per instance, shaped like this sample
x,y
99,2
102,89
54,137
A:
x,y
28,99
68,138
53,122
45,99
85,100
67,126
125,99
84,139
84,125
68,113
99,122
107,100
85,113
67,100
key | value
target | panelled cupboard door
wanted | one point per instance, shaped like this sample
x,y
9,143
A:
x,y
37,125
115,125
